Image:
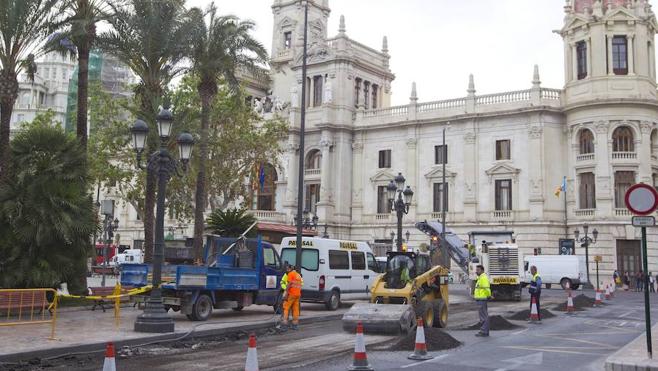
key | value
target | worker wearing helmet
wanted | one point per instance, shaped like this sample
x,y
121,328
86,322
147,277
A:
x,y
481,294
291,284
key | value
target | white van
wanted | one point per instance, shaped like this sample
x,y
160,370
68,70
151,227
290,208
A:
x,y
332,270
557,269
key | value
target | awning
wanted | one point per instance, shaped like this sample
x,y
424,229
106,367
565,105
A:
x,y
284,228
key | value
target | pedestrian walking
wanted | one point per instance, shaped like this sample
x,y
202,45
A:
x,y
535,290
291,284
638,281
652,282
616,278
627,281
656,279
481,294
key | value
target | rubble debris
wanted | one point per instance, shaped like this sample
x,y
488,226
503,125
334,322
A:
x,y
580,302
495,323
525,314
435,339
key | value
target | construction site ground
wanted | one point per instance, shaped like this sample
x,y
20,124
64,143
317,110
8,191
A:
x,y
579,341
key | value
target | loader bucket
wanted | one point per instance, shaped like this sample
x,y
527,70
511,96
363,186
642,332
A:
x,y
390,319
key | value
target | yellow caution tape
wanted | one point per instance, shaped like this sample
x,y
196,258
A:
x,y
115,295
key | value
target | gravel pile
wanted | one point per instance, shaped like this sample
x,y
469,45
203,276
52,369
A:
x,y
495,323
580,302
435,339
525,314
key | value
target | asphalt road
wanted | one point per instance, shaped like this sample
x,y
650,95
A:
x,y
567,342
581,341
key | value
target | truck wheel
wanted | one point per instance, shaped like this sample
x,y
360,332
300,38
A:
x,y
425,310
202,308
564,283
334,300
440,313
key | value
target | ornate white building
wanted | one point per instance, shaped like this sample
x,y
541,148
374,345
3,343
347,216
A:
x,y
505,153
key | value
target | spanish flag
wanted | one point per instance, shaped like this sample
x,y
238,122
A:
x,y
561,188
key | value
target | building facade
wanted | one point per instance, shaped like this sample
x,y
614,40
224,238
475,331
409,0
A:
x,y
505,153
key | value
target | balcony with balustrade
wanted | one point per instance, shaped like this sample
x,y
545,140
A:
x,y
585,214
502,215
624,156
585,157
268,216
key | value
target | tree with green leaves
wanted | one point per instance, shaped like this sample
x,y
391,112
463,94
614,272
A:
x,y
23,27
46,219
151,37
222,45
231,222
75,34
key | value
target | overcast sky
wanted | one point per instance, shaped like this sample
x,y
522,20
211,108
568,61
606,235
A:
x,y
437,43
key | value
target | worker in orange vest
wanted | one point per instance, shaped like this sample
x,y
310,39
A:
x,y
292,296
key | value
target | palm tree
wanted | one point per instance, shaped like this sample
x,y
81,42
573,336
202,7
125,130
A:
x,y
222,46
45,213
231,223
151,37
78,27
23,26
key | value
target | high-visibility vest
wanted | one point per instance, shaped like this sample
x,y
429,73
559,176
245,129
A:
x,y
482,288
294,285
284,281
534,287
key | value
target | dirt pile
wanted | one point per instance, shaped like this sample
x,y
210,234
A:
x,y
435,339
525,314
580,302
495,323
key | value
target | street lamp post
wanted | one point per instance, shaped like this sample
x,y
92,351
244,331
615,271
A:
x,y
585,242
155,318
109,226
400,199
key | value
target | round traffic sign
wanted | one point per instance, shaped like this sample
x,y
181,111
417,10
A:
x,y
641,199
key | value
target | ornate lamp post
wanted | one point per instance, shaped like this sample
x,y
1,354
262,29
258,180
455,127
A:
x,y
400,199
585,242
155,318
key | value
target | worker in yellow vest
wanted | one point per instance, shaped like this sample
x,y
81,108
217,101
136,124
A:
x,y
481,294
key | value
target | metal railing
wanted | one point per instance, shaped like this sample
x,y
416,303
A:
x,y
28,307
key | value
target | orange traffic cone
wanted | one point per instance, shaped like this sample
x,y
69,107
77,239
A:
x,y
607,292
613,286
252,355
109,364
570,307
597,300
420,350
534,315
360,362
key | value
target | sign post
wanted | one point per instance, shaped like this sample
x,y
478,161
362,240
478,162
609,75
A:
x,y
642,199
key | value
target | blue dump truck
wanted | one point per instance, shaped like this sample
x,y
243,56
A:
x,y
236,274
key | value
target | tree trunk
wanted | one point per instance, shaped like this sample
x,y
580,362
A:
x,y
6,108
83,84
200,196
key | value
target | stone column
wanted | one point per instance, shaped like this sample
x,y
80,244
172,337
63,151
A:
x,y
631,55
643,149
357,179
574,61
604,179
535,168
470,175
292,150
410,172
609,56
589,57
325,206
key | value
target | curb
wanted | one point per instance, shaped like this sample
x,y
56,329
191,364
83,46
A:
x,y
99,347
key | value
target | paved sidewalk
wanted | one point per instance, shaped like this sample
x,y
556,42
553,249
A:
x,y
634,357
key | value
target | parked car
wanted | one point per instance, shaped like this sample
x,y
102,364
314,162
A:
x,y
333,269
560,270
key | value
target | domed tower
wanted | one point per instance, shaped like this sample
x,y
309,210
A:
x,y
611,112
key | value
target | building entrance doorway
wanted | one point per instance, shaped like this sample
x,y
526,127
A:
x,y
628,257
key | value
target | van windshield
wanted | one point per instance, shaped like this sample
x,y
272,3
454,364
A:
x,y
310,258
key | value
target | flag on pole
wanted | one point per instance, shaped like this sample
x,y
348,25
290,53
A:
x,y
561,188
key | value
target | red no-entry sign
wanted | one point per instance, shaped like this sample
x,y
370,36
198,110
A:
x,y
641,199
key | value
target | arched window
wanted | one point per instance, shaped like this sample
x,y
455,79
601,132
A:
x,y
267,178
622,140
586,140
313,159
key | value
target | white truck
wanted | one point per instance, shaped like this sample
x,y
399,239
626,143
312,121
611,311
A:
x,y
560,270
130,256
496,251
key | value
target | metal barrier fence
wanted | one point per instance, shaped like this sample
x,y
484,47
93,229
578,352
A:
x,y
28,307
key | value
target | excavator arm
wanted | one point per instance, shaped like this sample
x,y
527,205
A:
x,y
454,246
